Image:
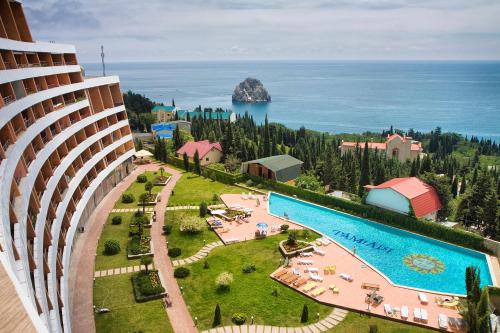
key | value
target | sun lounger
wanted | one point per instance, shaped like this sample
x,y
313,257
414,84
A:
x,y
334,288
367,285
424,315
311,269
417,314
300,282
443,321
346,277
291,279
306,254
404,312
423,298
324,241
318,251
244,196
305,262
310,286
315,277
388,310
281,272
378,299
318,291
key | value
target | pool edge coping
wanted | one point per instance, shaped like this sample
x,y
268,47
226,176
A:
x,y
492,276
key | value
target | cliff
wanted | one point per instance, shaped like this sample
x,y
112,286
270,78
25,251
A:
x,y
251,91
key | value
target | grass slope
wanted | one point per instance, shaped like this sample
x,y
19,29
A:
x,y
249,293
192,189
115,292
190,244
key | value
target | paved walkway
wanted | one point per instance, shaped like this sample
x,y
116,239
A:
x,y
120,270
83,256
194,207
199,255
178,313
329,322
131,210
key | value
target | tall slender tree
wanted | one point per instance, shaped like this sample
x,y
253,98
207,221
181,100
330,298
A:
x,y
185,159
267,139
364,178
197,166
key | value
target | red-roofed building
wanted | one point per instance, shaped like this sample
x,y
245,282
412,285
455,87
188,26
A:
x,y
208,152
399,194
396,146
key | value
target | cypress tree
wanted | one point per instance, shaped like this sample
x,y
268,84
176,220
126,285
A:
x,y
177,138
483,306
413,171
267,139
197,166
217,316
364,178
454,187
185,159
305,314
463,185
490,215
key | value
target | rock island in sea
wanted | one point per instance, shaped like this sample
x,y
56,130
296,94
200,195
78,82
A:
x,y
251,91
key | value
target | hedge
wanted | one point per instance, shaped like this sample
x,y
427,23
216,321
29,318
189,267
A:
x,y
143,287
430,229
494,291
218,175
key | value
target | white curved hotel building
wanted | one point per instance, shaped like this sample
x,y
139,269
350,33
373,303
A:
x,y
65,142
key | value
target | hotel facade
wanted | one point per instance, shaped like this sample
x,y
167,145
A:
x,y
65,143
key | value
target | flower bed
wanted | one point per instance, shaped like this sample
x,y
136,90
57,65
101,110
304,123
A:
x,y
290,251
152,199
147,286
161,180
139,246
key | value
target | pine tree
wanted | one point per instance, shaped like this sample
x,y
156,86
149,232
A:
x,y
305,314
173,103
217,316
413,172
177,138
490,215
463,185
185,159
364,178
267,139
197,166
483,306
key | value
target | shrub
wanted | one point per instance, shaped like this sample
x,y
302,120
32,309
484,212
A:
x,y
249,183
373,329
127,198
284,228
248,268
117,219
292,238
305,233
275,292
224,280
203,209
192,225
111,246
305,314
239,318
167,229
215,198
146,261
142,178
146,284
206,265
217,316
174,252
181,272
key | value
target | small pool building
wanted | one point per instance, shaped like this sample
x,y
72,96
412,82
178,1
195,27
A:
x,y
280,168
403,195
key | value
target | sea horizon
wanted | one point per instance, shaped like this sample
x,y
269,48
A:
x,y
339,96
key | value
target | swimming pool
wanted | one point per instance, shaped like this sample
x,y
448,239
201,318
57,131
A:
x,y
405,258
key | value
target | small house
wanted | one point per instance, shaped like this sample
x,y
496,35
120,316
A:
x,y
208,152
279,168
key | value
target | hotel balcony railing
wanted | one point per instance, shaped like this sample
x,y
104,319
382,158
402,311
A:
x,y
70,62
117,104
30,91
49,86
8,99
6,145
17,179
58,105
58,63
28,122
69,101
38,146
9,65
44,63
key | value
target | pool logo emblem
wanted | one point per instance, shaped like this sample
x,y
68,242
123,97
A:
x,y
424,263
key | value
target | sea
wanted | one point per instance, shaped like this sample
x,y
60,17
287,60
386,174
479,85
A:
x,y
333,96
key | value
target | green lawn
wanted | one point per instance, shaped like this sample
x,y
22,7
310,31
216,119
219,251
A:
x,y
190,244
192,189
355,322
115,292
120,233
138,188
249,293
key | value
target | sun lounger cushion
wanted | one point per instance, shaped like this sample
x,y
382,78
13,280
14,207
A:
x,y
443,320
424,314
388,309
404,312
417,314
423,298
346,277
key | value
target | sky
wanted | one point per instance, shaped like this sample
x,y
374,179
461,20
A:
x,y
165,30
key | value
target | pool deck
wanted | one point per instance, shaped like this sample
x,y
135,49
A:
x,y
351,295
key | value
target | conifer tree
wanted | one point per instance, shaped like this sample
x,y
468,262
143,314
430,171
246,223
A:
x,y
267,139
490,215
217,316
305,314
463,185
185,159
364,178
454,187
197,166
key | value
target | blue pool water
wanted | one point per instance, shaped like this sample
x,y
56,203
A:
x,y
406,259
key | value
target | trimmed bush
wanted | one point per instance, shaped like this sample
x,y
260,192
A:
x,y
127,198
305,314
111,247
192,225
224,280
116,220
430,229
248,268
167,229
249,183
217,316
239,318
284,228
174,252
206,265
203,209
142,178
181,272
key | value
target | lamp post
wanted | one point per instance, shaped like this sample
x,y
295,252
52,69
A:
x,y
182,290
252,319
195,321
317,314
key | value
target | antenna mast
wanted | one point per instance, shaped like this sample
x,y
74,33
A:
x,y
103,65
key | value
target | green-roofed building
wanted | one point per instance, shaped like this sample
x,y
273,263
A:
x,y
280,168
214,115
163,113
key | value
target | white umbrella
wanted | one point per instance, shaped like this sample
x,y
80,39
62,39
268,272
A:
x,y
143,153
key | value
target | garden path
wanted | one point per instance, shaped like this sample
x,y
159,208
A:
x,y
202,253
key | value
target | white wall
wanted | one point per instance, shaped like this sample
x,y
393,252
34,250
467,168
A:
x,y
389,199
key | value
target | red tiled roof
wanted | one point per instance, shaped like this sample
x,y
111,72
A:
x,y
423,197
371,145
203,148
